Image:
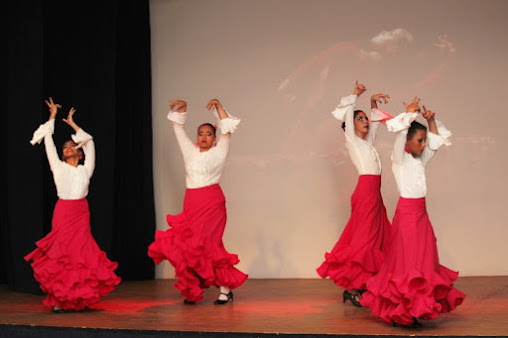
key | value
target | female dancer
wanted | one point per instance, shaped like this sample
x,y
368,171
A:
x,y
411,283
193,244
67,263
358,254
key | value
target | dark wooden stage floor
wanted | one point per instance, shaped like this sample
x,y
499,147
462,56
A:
x,y
291,306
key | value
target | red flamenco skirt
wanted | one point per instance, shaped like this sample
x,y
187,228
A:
x,y
68,264
358,255
411,282
193,244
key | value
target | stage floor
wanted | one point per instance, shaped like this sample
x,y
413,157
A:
x,y
305,306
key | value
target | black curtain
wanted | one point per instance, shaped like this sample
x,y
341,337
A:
x,y
94,56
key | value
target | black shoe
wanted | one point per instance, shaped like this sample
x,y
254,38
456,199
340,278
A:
x,y
416,324
188,302
352,297
230,298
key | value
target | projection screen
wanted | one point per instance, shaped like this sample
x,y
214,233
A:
x,y
282,67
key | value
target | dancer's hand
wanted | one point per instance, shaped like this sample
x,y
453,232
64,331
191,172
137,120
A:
x,y
213,103
70,119
414,106
53,108
359,89
379,97
428,114
179,106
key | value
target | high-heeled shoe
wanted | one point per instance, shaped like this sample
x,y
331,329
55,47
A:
x,y
188,302
221,302
352,297
416,324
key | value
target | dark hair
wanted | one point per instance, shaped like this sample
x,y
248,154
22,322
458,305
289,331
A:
x,y
414,127
354,117
211,126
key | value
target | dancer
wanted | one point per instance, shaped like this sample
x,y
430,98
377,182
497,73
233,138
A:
x,y
193,244
411,283
67,263
358,254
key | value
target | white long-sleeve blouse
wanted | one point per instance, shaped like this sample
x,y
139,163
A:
x,y
203,169
71,182
362,152
409,171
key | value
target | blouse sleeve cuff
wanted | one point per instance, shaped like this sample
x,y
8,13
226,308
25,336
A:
x,y
400,122
340,111
435,141
378,115
42,131
229,125
177,118
81,137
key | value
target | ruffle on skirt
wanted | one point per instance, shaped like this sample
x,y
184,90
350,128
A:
x,y
193,244
68,264
412,283
358,255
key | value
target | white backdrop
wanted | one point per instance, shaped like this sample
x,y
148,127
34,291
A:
x,y
282,66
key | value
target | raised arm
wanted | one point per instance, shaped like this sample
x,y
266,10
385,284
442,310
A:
x,y
178,116
377,115
349,117
46,131
84,141
345,110
400,124
431,121
437,136
88,148
227,124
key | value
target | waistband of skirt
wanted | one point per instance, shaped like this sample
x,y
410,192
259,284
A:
x,y
369,177
406,200
81,200
369,180
208,187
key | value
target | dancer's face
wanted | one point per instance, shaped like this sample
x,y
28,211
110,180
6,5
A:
x,y
70,150
206,138
416,144
361,125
